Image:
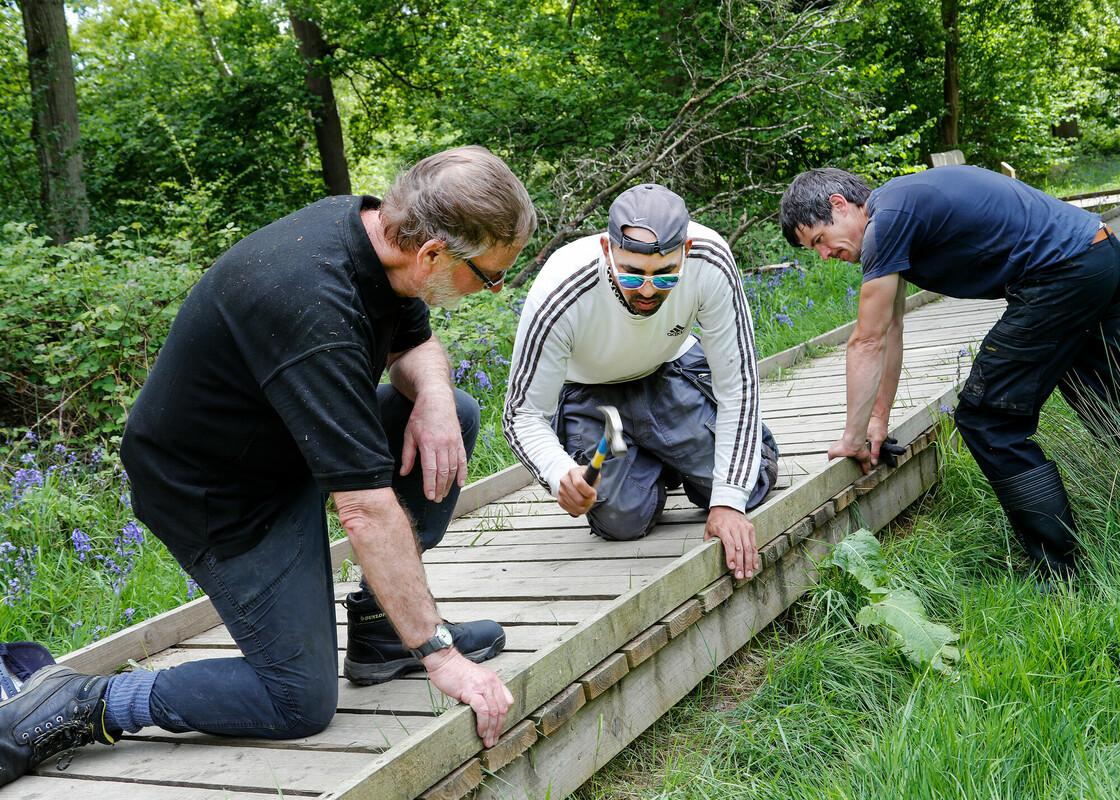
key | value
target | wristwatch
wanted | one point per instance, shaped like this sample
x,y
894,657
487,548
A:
x,y
440,641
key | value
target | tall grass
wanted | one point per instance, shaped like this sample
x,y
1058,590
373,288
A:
x,y
1034,711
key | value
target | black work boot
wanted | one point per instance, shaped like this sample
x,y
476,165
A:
x,y
374,653
56,710
1038,508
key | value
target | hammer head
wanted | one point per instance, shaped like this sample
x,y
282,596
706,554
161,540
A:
x,y
612,430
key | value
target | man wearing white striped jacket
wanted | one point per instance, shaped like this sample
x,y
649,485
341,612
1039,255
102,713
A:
x,y
609,321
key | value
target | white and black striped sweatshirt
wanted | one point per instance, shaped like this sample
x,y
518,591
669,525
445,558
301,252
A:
x,y
574,328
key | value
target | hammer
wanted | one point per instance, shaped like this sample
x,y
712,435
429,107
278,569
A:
x,y
611,441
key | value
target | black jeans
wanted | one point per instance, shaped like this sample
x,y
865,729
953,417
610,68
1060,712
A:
x,y
1061,329
277,600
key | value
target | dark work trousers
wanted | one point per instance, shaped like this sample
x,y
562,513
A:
x,y
1061,329
277,600
668,421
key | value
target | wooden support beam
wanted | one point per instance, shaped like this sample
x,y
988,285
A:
x,y
550,717
645,644
458,784
682,617
513,743
712,596
605,675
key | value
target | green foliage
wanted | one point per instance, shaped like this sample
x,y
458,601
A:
x,y
82,324
74,564
896,611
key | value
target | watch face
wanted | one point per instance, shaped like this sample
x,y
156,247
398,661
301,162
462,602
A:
x,y
444,635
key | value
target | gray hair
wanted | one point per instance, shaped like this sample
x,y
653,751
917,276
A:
x,y
805,201
466,197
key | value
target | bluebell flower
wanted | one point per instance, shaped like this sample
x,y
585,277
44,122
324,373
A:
x,y
132,532
81,542
946,409
129,613
809,303
851,292
192,588
784,319
30,437
483,381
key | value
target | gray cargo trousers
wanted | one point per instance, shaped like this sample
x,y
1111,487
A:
x,y
669,420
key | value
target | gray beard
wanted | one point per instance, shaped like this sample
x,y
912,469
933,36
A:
x,y
440,291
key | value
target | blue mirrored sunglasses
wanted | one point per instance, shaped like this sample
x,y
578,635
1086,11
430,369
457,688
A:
x,y
630,282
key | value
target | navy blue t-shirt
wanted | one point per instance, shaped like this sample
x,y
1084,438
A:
x,y
968,232
268,379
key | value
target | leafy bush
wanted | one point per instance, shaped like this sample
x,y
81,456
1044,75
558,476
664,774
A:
x,y
82,324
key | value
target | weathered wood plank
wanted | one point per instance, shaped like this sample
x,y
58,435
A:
x,y
645,644
33,787
712,596
458,784
682,617
605,675
199,766
552,715
513,743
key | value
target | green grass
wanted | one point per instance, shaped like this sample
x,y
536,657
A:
x,y
818,708
1082,175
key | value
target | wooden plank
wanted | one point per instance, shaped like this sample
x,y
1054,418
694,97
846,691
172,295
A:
x,y
237,769
479,493
645,644
61,785
516,741
518,638
144,639
350,732
605,675
557,766
682,617
550,717
947,159
712,596
458,784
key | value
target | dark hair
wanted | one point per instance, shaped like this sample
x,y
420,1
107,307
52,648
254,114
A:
x,y
466,197
805,201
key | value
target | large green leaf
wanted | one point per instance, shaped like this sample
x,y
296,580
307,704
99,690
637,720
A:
x,y
901,614
859,556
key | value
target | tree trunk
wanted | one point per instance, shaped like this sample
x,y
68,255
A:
x,y
951,120
324,112
216,54
54,122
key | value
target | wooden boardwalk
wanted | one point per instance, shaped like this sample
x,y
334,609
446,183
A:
x,y
603,637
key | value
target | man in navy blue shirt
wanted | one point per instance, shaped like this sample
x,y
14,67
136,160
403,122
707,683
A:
x,y
968,232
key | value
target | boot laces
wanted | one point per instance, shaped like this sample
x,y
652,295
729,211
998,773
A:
x,y
62,736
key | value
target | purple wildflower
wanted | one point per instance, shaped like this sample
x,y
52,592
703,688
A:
x,y
809,303
483,381
963,352
129,613
945,409
82,543
784,319
462,370
133,533
96,457
851,292
60,449
24,480
192,588
17,571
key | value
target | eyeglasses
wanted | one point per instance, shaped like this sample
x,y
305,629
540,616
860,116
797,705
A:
x,y
630,281
488,282
661,282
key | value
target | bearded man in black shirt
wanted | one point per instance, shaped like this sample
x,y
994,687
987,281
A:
x,y
264,399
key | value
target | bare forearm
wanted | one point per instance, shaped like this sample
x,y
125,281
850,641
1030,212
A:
x,y
892,369
865,367
423,369
385,548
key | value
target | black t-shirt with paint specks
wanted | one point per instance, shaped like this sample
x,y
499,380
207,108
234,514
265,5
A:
x,y
267,379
